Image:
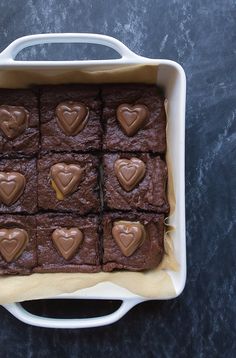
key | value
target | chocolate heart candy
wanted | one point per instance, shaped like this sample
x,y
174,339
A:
x,y
67,241
132,118
128,235
129,172
13,121
65,178
12,243
72,117
12,185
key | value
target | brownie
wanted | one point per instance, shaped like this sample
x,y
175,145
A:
x,y
70,127
85,197
131,254
82,178
19,122
151,133
18,185
149,190
17,244
65,254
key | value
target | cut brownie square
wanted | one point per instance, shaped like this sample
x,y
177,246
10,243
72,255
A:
x,y
68,182
67,243
18,185
134,117
132,241
135,181
17,244
19,122
70,118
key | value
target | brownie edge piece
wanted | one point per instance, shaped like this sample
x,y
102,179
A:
x,y
19,122
70,118
18,186
135,244
67,243
134,118
148,176
17,244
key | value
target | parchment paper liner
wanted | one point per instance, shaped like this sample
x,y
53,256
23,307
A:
x,y
152,283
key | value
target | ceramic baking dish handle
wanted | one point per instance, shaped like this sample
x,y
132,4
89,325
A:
x,y
9,54
19,312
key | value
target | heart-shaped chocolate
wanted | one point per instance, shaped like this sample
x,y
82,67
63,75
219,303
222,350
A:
x,y
65,178
12,243
72,117
67,241
132,118
128,235
12,185
129,172
13,121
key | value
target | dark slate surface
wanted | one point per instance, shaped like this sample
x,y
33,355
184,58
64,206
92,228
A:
x,y
201,35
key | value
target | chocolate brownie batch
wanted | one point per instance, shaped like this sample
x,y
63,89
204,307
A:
x,y
82,178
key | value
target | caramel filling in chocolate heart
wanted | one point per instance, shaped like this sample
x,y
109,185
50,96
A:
x,y
13,121
128,235
12,185
129,172
65,179
72,117
132,118
67,241
12,243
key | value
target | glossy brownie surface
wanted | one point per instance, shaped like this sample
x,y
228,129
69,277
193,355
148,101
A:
x,y
27,143
28,258
87,256
147,256
85,199
150,138
149,194
52,137
27,202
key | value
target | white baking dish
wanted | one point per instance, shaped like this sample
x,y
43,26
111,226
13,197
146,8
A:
x,y
171,77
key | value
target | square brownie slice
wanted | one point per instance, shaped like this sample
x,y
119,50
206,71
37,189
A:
x,y
70,118
17,244
67,243
18,185
134,117
132,241
68,182
135,181
19,122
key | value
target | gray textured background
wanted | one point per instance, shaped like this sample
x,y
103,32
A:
x,y
201,36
